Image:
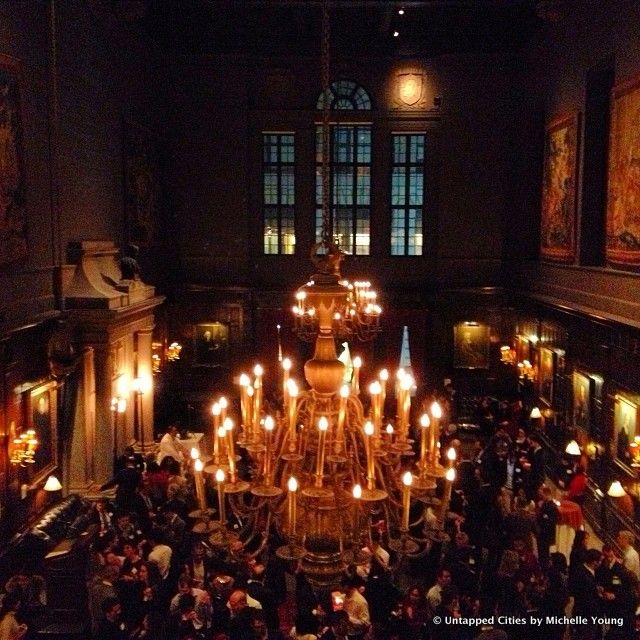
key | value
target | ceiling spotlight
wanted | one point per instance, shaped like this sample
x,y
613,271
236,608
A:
x,y
400,12
396,34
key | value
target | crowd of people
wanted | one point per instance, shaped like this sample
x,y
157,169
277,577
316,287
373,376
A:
x,y
152,576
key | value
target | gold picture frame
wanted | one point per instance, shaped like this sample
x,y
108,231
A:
x,y
547,370
623,226
471,343
42,413
625,429
582,396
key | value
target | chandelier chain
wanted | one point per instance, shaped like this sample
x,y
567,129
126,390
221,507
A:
x,y
326,216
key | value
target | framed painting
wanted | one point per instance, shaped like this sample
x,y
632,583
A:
x,y
582,400
559,188
623,191
141,182
547,374
624,445
41,416
471,342
211,343
13,212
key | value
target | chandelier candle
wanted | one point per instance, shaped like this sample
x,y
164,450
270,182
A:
x,y
220,481
384,376
292,392
268,429
215,410
405,384
244,383
407,480
368,432
449,477
257,399
424,433
228,427
357,495
249,423
436,414
342,411
323,425
222,401
292,503
376,414
198,466
286,368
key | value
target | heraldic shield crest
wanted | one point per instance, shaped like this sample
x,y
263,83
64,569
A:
x,y
410,88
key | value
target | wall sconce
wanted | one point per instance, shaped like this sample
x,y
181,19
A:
x,y
173,351
52,484
616,490
24,448
572,448
507,355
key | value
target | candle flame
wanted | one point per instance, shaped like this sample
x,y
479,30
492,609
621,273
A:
x,y
323,423
292,485
357,491
436,410
424,420
407,479
220,475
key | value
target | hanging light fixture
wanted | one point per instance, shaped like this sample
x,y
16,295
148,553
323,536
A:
x,y
323,462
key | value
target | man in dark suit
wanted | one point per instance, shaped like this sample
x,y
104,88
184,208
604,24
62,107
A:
x,y
266,598
126,482
535,474
587,600
546,519
617,588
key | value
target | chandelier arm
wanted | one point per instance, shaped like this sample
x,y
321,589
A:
x,y
265,538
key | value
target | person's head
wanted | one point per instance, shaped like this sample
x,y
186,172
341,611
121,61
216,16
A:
x,y
592,558
101,505
184,584
186,603
519,545
580,539
625,538
111,609
111,559
444,577
237,601
257,623
172,430
534,440
110,573
450,600
608,554
129,550
198,551
123,519
521,436
414,594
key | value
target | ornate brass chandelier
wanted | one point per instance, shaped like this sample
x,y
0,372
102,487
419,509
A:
x,y
324,460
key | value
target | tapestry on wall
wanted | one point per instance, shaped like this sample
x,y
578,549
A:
x,y
623,197
559,181
141,182
13,215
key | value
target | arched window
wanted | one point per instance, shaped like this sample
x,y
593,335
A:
x,y
350,170
346,95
